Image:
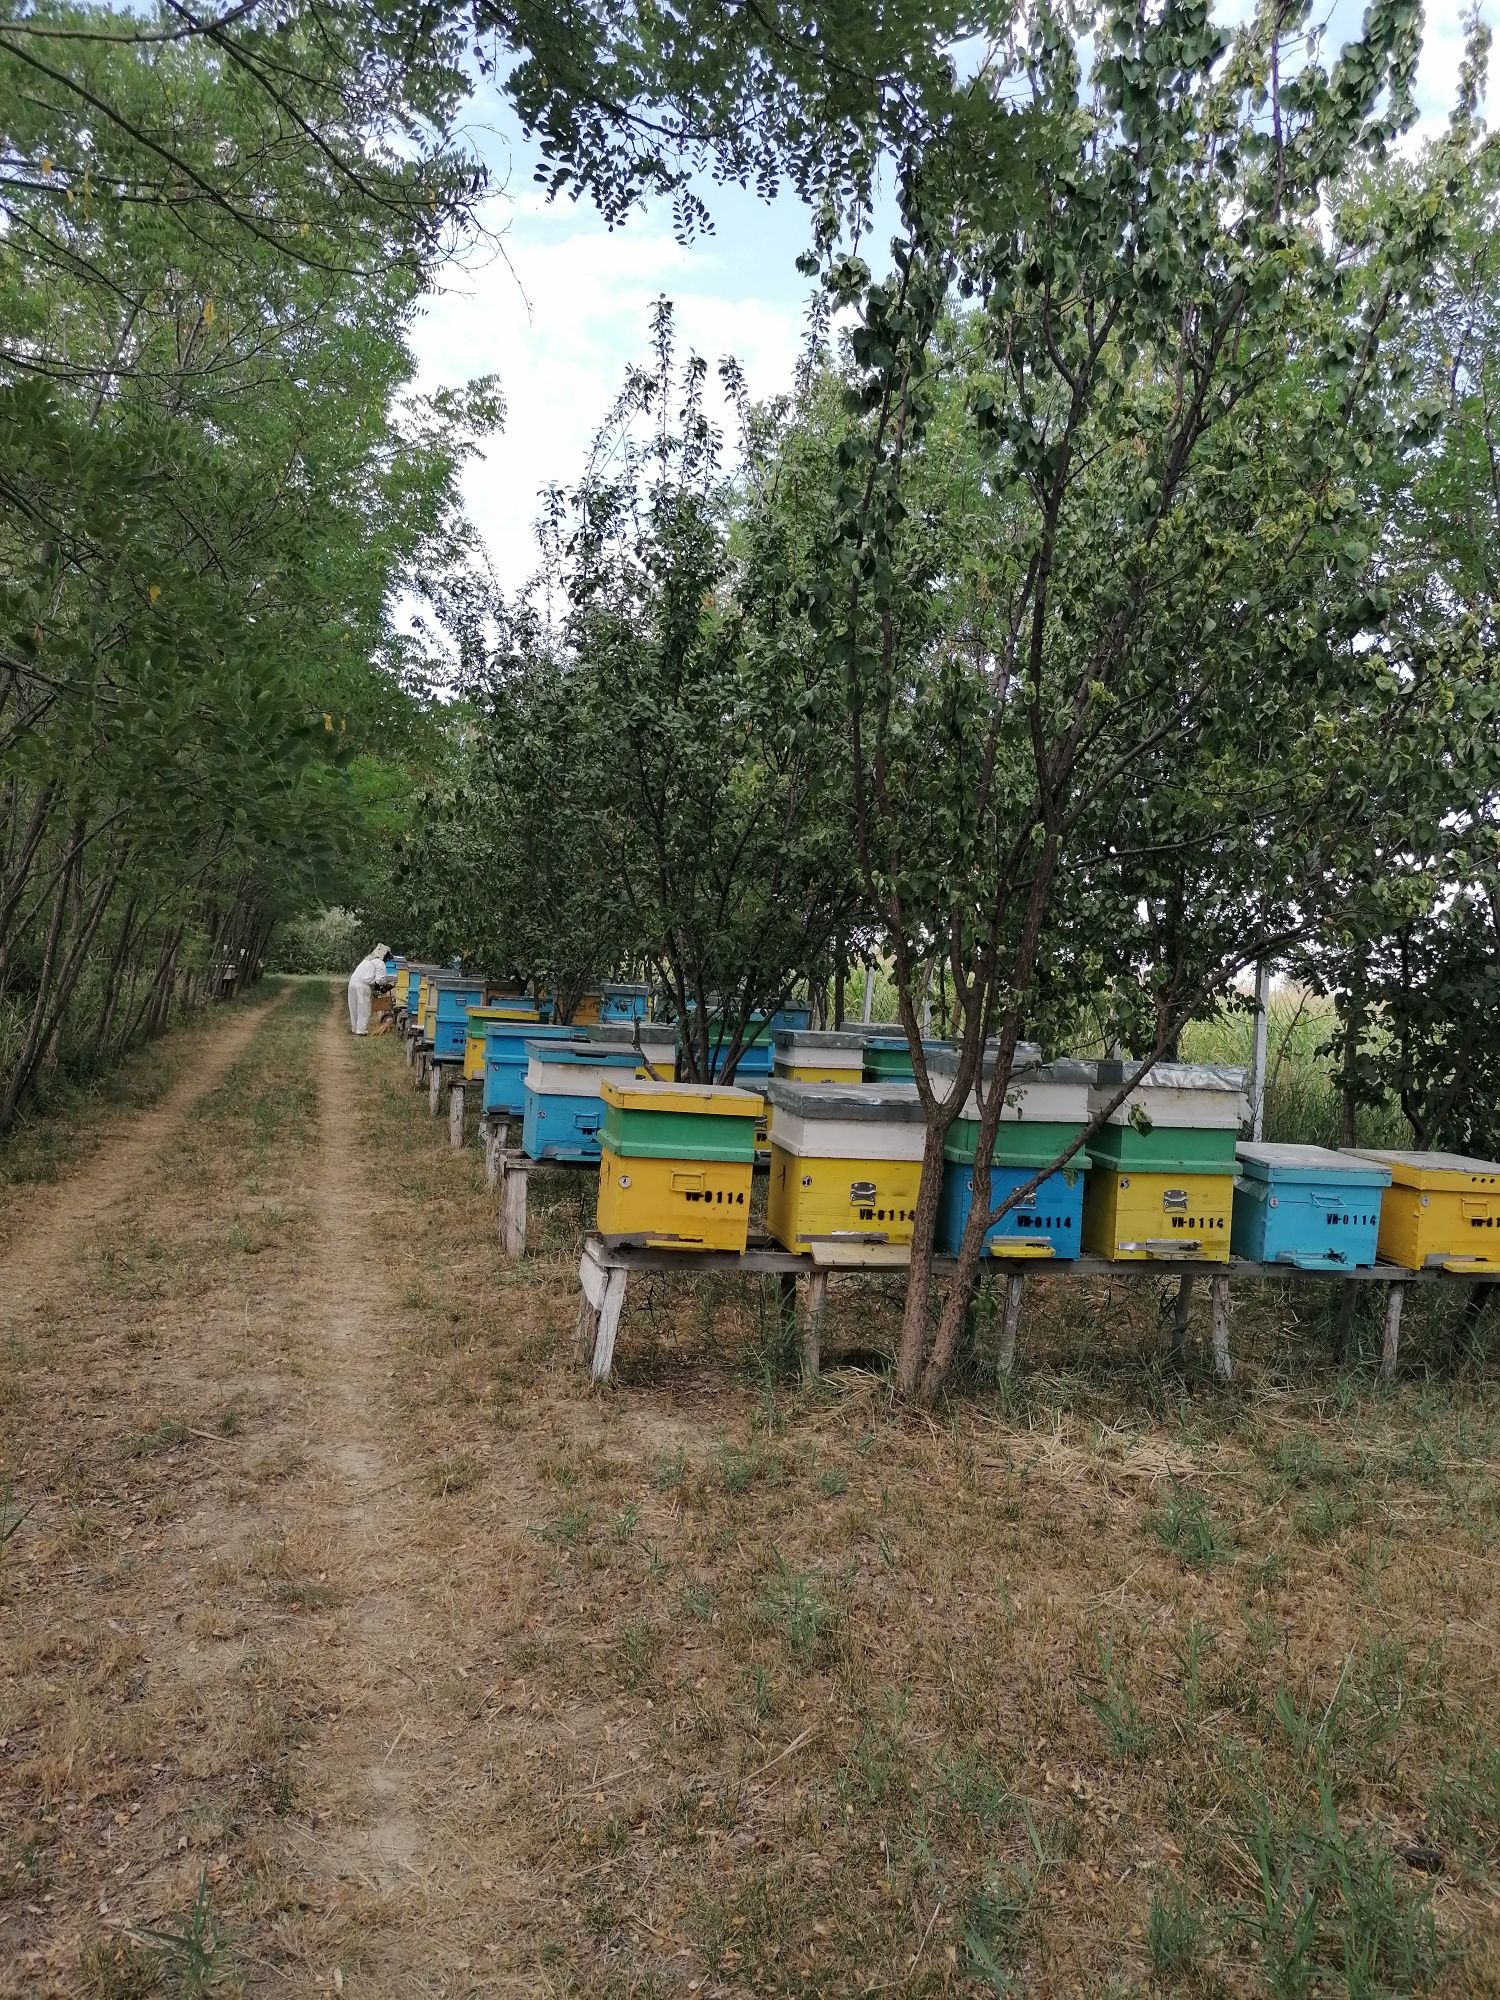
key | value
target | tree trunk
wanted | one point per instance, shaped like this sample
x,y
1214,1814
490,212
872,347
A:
x,y
913,1343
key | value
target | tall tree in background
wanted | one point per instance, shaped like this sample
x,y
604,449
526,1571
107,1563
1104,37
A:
x,y
1171,397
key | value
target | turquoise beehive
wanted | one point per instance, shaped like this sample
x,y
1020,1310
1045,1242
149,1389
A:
x,y
1306,1206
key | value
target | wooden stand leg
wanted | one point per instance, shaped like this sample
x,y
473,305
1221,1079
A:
x,y
512,1186
1218,1293
434,1087
599,1310
1390,1346
457,1093
814,1304
1015,1286
1343,1325
1181,1312
411,1047
495,1132
609,1326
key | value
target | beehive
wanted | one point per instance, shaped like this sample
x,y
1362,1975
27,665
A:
x,y
505,1062
624,1003
449,1014
1045,1109
1440,1210
1162,1176
675,1163
399,984
755,1056
888,1057
477,1021
563,1106
790,1015
655,1040
802,1055
846,1163
1306,1206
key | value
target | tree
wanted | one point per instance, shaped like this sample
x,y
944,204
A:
x,y
1099,588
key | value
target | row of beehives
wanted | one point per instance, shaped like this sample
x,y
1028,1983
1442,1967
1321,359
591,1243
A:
x,y
1165,1177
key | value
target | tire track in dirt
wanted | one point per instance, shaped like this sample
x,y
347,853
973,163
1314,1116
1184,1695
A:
x,y
376,1835
71,1214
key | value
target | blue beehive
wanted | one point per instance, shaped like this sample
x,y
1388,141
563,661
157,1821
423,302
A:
x,y
505,1063
1307,1206
1046,1107
793,1014
624,1003
1048,1224
451,1019
755,1057
563,1108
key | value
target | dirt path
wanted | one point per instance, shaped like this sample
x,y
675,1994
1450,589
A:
x,y
368,1761
67,1216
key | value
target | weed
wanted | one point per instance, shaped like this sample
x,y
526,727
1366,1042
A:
x,y
997,1912
1129,1735
459,1472
1324,1515
1173,1929
977,1789
1331,1903
569,1529
795,1609
192,1952
625,1527
166,1436
1182,1525
697,1603
739,1469
640,1643
670,1471
1466,1804
1189,1655
1425,1460
832,1481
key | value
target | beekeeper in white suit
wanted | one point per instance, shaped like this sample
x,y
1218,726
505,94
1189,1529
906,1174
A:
x,y
361,981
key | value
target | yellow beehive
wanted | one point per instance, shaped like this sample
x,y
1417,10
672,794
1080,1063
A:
x,y
846,1162
816,1056
1441,1210
1137,1216
675,1163
810,1200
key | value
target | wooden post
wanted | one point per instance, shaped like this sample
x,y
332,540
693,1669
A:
x,y
411,1045
1015,1286
1390,1347
1343,1325
814,1304
1180,1313
786,1303
457,1092
512,1184
434,1086
495,1132
599,1312
1218,1293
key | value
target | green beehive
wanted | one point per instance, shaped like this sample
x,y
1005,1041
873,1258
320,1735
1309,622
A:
x,y
1184,1118
643,1121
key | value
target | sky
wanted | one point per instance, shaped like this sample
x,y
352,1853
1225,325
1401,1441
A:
x,y
560,310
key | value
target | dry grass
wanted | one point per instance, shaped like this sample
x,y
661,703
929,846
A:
x,y
374,1644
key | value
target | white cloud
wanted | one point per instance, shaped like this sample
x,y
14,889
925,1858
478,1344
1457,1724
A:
x,y
559,317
